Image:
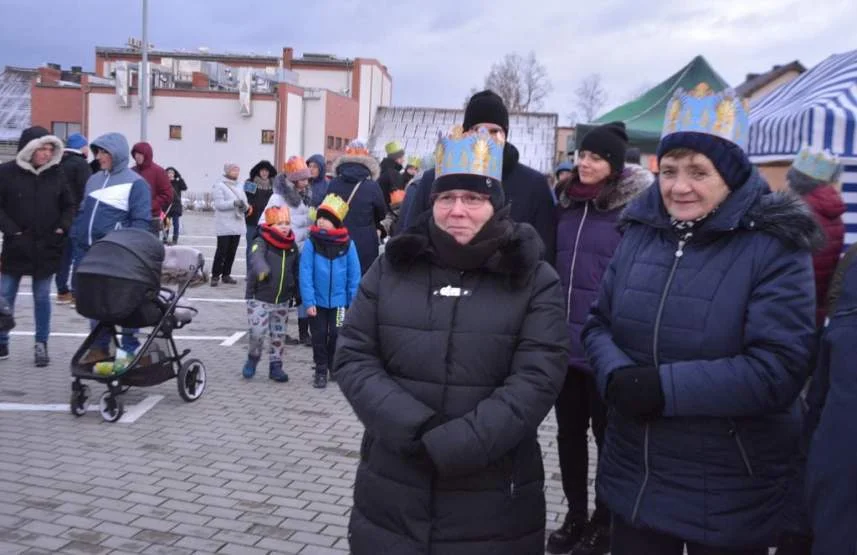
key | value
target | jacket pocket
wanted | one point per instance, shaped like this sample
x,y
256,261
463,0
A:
x,y
739,442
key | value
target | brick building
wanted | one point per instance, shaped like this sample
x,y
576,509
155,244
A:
x,y
206,108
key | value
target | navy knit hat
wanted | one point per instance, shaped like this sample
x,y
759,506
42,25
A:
x,y
729,159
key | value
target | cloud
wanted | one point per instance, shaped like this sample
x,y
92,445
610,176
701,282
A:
x,y
437,50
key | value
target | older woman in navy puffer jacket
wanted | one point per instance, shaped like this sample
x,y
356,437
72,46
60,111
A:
x,y
701,340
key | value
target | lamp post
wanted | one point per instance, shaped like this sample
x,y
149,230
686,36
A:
x,y
144,78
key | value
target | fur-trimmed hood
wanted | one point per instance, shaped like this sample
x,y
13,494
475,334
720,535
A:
x,y
367,161
516,259
632,181
24,158
751,207
287,190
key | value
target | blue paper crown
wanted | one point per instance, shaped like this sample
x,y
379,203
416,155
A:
x,y
473,153
701,110
822,165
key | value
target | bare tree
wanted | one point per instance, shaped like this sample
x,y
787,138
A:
x,y
590,97
522,82
639,91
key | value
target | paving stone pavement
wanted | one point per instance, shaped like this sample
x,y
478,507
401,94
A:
x,y
252,467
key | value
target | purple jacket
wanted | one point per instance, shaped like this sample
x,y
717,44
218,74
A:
x,y
587,236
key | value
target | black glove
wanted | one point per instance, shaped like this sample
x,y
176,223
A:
x,y
636,392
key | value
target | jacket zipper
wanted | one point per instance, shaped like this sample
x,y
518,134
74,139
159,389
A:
x,y
95,209
733,431
330,283
282,277
646,470
574,261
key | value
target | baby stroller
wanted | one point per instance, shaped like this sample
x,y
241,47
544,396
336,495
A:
x,y
118,284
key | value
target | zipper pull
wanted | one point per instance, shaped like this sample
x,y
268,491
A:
x,y
680,252
512,488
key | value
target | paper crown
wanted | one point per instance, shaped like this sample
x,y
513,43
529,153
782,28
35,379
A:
x,y
397,197
701,110
296,169
332,205
415,162
278,215
356,148
393,147
822,165
472,153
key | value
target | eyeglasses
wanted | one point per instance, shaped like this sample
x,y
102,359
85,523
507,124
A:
x,y
469,200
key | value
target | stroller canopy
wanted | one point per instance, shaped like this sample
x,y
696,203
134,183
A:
x,y
132,254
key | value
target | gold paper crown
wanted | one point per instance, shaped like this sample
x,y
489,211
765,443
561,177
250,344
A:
x,y
472,153
701,110
397,197
278,215
334,206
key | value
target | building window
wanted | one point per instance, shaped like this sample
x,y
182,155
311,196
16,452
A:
x,y
329,141
267,136
63,129
221,135
176,132
339,143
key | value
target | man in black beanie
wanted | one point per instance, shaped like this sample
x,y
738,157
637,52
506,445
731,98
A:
x,y
526,190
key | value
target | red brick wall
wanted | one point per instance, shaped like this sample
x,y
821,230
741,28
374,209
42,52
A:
x,y
341,120
50,104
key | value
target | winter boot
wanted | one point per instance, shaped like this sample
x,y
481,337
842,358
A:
x,y
215,281
276,372
320,380
303,332
228,280
595,540
250,367
566,536
332,376
41,355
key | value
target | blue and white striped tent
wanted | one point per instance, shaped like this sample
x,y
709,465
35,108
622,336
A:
x,y
819,109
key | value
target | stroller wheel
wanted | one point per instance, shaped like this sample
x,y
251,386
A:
x,y
191,380
78,401
110,407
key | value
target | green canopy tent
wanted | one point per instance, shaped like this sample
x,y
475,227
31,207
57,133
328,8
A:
x,y
644,116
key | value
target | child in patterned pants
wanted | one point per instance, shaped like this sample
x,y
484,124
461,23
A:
x,y
271,289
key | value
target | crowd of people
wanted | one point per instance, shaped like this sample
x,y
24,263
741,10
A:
x,y
696,321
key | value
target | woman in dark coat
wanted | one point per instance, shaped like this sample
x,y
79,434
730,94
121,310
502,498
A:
x,y
356,174
175,210
451,355
258,188
590,201
701,340
831,472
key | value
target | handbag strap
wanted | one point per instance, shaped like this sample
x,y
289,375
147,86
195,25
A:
x,y
353,192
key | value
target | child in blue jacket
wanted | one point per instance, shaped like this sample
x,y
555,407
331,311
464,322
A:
x,y
329,278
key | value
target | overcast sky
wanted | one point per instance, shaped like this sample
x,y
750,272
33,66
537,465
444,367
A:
x,y
437,50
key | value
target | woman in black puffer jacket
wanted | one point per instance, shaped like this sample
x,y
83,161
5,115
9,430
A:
x,y
452,355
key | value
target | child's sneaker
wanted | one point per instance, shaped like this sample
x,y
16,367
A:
x,y
250,367
276,372
320,380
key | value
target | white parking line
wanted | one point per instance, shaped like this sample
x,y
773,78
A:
x,y
191,299
131,415
218,338
236,337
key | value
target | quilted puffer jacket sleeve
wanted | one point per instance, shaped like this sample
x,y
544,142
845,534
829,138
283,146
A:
x,y
388,411
604,355
779,340
514,410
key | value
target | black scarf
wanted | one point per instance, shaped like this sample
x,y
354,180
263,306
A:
x,y
472,256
